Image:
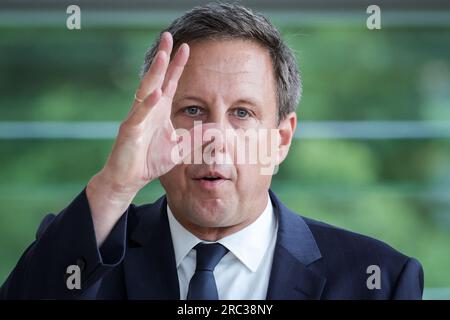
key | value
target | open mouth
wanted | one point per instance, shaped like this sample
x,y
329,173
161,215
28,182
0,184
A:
x,y
211,178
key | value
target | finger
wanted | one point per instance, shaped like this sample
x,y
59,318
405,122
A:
x,y
166,43
175,70
154,76
141,111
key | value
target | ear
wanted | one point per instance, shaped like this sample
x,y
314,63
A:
x,y
286,130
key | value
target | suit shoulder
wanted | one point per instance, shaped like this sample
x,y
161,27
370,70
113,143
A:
x,y
334,240
349,258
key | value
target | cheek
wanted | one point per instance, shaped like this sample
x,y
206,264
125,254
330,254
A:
x,y
175,179
249,178
179,122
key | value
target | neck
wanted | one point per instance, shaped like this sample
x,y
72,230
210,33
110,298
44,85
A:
x,y
216,233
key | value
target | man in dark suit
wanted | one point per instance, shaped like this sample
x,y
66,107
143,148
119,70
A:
x,y
219,232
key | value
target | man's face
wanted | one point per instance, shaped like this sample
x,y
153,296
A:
x,y
229,85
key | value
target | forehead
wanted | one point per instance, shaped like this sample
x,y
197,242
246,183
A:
x,y
229,67
229,56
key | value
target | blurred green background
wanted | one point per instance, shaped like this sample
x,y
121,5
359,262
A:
x,y
394,188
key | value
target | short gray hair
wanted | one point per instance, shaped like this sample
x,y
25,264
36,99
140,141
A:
x,y
233,21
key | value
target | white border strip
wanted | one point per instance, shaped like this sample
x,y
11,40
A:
x,y
306,130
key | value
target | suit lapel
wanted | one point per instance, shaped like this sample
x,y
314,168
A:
x,y
149,268
295,251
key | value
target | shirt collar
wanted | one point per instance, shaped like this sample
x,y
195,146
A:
x,y
183,241
249,245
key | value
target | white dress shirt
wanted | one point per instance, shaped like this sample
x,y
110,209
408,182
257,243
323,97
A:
x,y
243,273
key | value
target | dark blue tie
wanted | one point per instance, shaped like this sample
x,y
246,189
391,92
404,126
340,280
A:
x,y
203,285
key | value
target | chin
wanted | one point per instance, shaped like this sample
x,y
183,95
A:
x,y
210,213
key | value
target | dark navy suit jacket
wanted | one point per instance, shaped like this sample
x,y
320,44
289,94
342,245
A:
x,y
312,260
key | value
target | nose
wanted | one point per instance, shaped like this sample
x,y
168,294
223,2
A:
x,y
218,116
219,124
216,133
223,149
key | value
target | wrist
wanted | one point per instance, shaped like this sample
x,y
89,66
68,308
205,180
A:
x,y
111,193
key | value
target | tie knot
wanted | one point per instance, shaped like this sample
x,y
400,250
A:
x,y
209,255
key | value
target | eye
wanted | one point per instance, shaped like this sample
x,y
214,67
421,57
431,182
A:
x,y
241,113
192,111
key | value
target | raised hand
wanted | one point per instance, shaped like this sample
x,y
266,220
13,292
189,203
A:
x,y
142,150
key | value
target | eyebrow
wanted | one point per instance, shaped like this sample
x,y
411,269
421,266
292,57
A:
x,y
190,98
245,100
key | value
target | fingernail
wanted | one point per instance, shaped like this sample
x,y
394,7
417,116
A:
x,y
184,46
